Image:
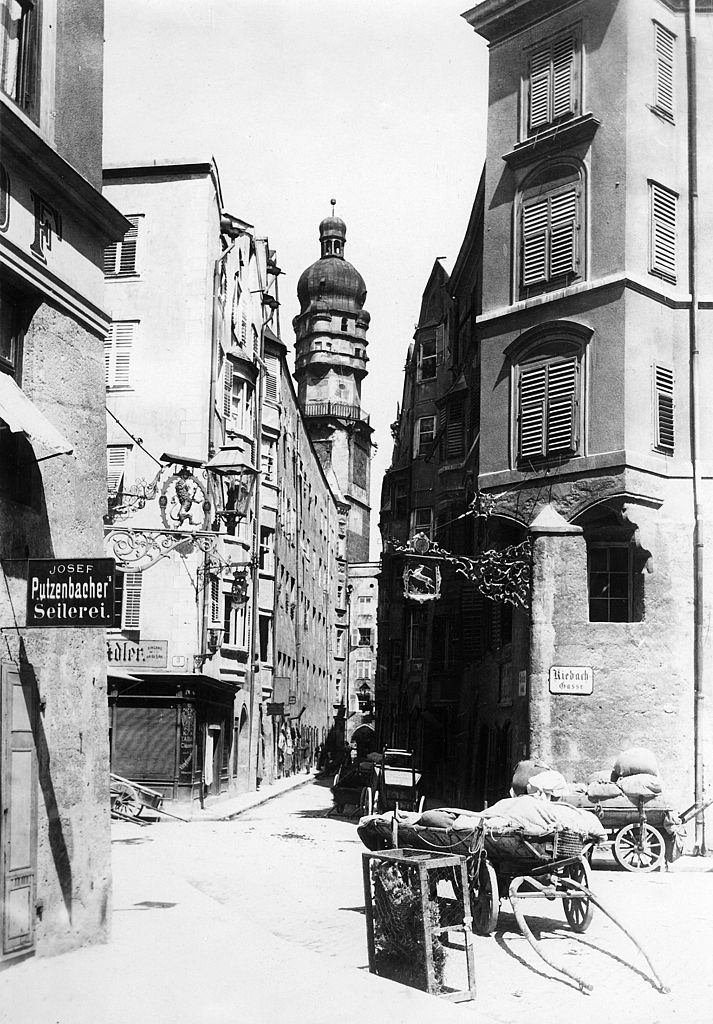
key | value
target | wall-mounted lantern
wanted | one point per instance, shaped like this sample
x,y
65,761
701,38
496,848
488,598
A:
x,y
237,483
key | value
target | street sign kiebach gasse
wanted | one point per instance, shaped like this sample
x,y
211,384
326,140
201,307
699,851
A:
x,y
70,592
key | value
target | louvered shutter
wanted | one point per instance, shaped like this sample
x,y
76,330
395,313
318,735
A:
x,y
117,353
563,77
561,393
127,256
131,612
540,78
227,388
454,430
663,232
563,226
533,390
663,408
115,466
440,343
271,376
110,254
664,43
108,349
535,217
472,623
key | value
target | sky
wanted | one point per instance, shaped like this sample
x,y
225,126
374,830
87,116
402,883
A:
x,y
379,104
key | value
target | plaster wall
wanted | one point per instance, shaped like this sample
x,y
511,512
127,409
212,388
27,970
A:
x,y
63,374
78,95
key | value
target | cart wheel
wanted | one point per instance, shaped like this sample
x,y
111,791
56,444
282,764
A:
x,y
639,848
366,804
578,912
484,899
126,802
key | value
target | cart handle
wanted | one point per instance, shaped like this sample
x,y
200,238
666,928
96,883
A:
x,y
694,810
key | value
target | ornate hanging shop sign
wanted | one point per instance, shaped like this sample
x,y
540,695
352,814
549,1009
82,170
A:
x,y
500,574
137,550
184,503
421,582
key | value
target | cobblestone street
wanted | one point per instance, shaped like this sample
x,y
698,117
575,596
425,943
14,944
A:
x,y
292,868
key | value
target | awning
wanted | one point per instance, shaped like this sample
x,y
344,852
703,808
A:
x,y
120,673
22,416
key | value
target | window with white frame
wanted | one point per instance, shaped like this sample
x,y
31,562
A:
x,y
14,315
20,46
553,83
120,257
548,407
424,434
422,521
662,218
664,427
551,229
268,458
427,358
118,352
363,669
664,48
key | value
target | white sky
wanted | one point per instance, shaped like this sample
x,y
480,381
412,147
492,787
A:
x,y
379,103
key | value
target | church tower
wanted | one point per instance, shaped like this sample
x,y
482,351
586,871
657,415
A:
x,y
330,332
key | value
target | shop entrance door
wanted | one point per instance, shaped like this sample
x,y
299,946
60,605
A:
x,y
18,817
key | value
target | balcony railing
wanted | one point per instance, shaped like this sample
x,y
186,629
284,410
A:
x,y
341,409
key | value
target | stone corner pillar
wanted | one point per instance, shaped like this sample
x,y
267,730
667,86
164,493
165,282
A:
x,y
559,598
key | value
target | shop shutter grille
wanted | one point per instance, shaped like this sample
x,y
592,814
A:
x,y
144,743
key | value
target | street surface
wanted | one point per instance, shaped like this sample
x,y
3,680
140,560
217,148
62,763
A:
x,y
294,868
260,919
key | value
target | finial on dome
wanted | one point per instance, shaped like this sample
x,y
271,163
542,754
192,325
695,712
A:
x,y
334,203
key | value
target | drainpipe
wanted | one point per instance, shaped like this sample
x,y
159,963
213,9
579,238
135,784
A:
x,y
698,541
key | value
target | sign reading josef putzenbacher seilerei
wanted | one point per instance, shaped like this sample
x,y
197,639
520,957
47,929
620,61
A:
x,y
76,592
577,680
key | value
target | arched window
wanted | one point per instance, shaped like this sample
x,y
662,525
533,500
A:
x,y
344,323
547,366
551,228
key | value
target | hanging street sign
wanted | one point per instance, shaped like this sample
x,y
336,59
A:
x,y
422,582
275,709
76,592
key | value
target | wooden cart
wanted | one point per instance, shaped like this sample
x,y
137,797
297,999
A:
x,y
395,784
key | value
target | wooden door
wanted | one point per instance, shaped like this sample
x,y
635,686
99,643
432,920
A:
x,y
18,822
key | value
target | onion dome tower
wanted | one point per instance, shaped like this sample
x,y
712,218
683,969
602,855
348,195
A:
x,y
330,333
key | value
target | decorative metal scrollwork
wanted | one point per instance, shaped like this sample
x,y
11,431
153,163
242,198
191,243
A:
x,y
138,550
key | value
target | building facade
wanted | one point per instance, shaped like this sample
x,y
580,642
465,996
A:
x,y
217,501
594,300
55,881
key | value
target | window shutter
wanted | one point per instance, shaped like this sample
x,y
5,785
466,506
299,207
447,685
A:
x,y
110,254
664,43
108,346
454,430
115,466
117,359
127,258
534,242
663,232
563,218
472,623
561,392
563,77
663,408
440,343
227,388
533,385
271,376
540,89
131,616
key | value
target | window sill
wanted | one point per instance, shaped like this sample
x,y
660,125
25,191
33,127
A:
x,y
122,277
552,139
113,388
